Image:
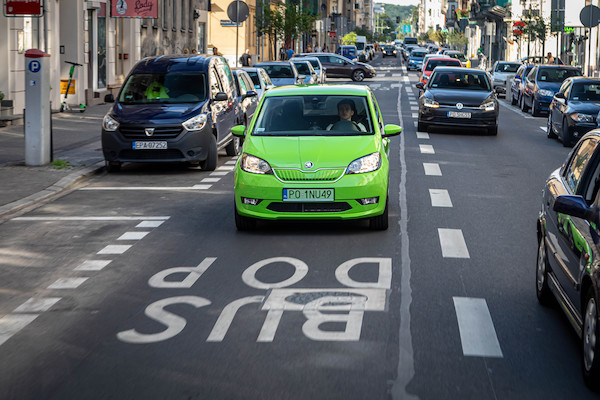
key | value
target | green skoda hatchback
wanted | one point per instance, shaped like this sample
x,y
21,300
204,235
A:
x,y
314,153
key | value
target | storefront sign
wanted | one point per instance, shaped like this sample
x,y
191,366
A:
x,y
134,8
22,7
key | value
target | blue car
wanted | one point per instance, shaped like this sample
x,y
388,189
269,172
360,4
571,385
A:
x,y
415,60
541,84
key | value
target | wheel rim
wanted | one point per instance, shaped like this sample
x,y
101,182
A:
x,y
359,75
236,145
541,266
549,127
589,334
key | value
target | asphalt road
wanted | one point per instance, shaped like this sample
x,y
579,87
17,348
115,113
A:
x,y
150,293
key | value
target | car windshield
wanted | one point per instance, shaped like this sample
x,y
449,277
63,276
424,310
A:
x,y
315,64
585,92
389,48
506,67
459,80
278,71
313,115
255,78
556,74
418,54
172,87
302,68
431,64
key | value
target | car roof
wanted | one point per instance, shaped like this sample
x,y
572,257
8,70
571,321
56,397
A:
x,y
438,58
196,62
272,63
555,66
579,79
458,69
331,89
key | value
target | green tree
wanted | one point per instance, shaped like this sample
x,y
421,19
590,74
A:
x,y
349,38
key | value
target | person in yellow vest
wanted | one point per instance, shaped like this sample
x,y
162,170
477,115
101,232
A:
x,y
156,90
468,63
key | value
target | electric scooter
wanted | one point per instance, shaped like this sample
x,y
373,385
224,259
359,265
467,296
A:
x,y
64,106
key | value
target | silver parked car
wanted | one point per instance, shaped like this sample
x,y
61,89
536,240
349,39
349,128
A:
x,y
261,80
317,66
282,72
502,74
305,68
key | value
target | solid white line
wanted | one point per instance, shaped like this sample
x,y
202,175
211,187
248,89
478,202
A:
x,y
426,149
477,333
405,370
92,265
432,169
440,198
13,323
210,180
422,135
115,249
34,305
89,218
67,283
149,224
453,243
133,235
162,188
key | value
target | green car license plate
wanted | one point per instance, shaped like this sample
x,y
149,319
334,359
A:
x,y
308,194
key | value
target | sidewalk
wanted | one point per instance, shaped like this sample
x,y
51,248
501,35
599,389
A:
x,y
77,153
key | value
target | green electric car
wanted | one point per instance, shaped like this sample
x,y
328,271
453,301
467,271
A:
x,y
314,153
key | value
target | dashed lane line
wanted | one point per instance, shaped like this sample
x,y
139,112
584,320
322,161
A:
x,y
426,149
115,218
149,224
133,236
35,305
440,198
115,249
453,243
13,323
67,283
477,333
422,135
432,169
92,265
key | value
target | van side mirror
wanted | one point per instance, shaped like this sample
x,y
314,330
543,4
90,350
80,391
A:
x,y
220,96
420,85
250,93
109,98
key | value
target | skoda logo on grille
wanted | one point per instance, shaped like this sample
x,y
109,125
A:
x,y
459,106
149,131
308,164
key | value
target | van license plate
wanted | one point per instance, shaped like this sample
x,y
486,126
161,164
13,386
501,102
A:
x,y
308,194
158,145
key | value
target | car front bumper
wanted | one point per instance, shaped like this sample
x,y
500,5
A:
x,y
348,190
543,102
439,116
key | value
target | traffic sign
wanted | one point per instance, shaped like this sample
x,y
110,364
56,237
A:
x,y
590,16
234,14
21,8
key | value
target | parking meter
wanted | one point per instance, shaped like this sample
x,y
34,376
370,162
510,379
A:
x,y
37,108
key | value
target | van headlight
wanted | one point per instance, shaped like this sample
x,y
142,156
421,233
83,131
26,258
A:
x,y
109,124
430,103
365,164
255,165
488,106
195,123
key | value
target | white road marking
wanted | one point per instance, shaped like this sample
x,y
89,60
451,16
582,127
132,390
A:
x,y
161,188
67,283
432,169
415,115
413,103
149,224
440,198
133,235
210,180
416,124
115,249
453,243
397,75
159,218
93,265
13,323
477,333
422,135
346,299
219,173
426,149
543,128
36,305
226,168
231,162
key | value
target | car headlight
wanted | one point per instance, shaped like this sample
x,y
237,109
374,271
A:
x,y
488,106
583,117
109,123
195,123
365,164
255,165
544,92
430,103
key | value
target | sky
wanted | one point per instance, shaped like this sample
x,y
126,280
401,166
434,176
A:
x,y
399,2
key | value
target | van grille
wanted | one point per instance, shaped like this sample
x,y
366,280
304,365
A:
x,y
160,132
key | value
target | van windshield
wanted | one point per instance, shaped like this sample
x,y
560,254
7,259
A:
x,y
171,88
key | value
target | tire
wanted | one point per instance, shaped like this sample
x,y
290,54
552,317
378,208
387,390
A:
x,y
422,127
524,107
513,101
542,290
380,222
112,166
566,135
549,130
358,75
590,341
233,148
210,164
534,110
493,131
243,223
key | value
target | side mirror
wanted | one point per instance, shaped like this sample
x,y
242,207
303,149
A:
x,y
420,85
391,130
109,98
221,96
560,95
250,93
238,130
576,206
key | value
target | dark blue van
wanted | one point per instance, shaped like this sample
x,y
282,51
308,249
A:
x,y
172,109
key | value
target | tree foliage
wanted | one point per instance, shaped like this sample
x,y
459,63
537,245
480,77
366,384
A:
x,y
349,38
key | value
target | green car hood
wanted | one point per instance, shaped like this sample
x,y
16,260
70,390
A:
x,y
322,151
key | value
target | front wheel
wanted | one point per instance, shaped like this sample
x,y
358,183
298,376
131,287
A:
x,y
358,75
233,148
243,223
513,101
566,135
210,163
589,341
524,107
542,289
421,126
535,111
549,130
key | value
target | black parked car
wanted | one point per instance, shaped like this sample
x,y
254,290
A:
x,y
516,87
337,66
568,258
172,109
457,96
542,82
574,109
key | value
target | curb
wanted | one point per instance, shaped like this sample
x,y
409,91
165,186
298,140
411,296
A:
x,y
53,190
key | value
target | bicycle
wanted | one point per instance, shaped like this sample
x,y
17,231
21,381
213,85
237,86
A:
x,y
64,106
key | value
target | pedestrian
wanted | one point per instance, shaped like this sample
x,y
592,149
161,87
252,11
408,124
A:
x,y
440,50
216,51
289,53
317,48
245,58
550,58
309,48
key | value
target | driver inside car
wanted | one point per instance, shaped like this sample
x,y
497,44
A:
x,y
346,110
